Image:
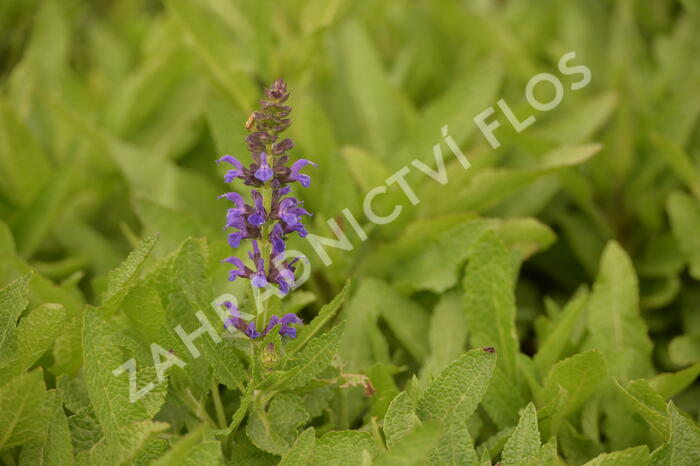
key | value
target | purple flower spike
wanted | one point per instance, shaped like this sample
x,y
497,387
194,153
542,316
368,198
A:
x,y
266,220
264,173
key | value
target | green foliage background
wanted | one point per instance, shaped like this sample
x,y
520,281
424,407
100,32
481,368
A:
x,y
573,249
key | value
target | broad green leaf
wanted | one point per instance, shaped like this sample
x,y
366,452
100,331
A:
x,y
637,456
669,384
545,456
346,447
649,405
193,449
455,445
684,212
108,393
614,324
489,302
460,387
325,315
580,375
683,448
13,300
400,419
413,449
23,413
301,451
274,429
312,360
129,443
120,279
524,443
36,333
54,447
501,401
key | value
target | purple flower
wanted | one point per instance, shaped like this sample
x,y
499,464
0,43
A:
x,y
294,174
234,173
258,216
277,239
288,211
284,324
263,173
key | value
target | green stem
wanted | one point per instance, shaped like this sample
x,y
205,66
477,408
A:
x,y
218,405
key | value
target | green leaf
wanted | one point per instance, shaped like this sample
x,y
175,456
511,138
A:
x,y
325,315
683,448
413,449
312,360
54,447
346,447
614,324
36,333
13,300
108,393
120,280
274,429
23,415
685,349
524,443
649,405
125,447
400,419
460,387
489,302
637,456
455,446
559,337
302,450
669,384
580,375
678,160
447,336
684,212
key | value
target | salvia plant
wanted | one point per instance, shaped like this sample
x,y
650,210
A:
x,y
470,279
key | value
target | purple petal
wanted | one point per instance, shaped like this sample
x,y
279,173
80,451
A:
x,y
232,160
233,197
263,173
251,331
290,318
259,280
234,239
298,165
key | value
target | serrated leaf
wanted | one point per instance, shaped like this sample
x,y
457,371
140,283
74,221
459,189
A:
x,y
455,445
302,450
23,416
327,312
580,375
460,387
312,360
108,393
119,280
346,448
670,384
447,335
683,448
649,405
55,447
400,419
684,212
489,301
13,300
274,429
524,443
36,333
614,324
125,447
637,456
413,449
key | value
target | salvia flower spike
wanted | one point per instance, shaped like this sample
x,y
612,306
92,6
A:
x,y
273,213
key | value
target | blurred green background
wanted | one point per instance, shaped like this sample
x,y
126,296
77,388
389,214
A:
x,y
113,112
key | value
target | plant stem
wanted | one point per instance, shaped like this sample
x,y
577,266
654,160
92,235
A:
x,y
218,405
